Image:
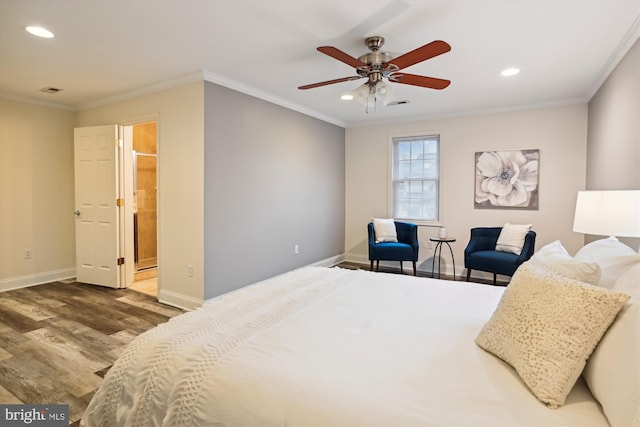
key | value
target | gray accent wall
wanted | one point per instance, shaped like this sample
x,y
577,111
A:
x,y
274,179
613,139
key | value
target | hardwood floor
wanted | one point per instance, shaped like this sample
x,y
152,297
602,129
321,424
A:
x,y
58,340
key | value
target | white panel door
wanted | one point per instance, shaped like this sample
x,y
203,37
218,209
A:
x,y
97,215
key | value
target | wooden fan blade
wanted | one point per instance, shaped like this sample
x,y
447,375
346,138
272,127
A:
x,y
329,82
423,81
336,53
428,51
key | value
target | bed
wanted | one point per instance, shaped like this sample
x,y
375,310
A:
x,y
334,347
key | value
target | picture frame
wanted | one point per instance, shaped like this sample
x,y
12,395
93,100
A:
x,y
507,179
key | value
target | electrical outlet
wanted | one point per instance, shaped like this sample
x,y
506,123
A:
x,y
28,254
296,249
190,270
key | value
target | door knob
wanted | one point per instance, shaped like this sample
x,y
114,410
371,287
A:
x,y
77,213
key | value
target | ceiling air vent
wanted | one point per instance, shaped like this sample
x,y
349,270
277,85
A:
x,y
399,102
50,90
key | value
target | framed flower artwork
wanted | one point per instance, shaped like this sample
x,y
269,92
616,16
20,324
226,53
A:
x,y
507,179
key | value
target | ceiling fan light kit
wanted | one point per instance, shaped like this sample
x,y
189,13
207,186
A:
x,y
377,65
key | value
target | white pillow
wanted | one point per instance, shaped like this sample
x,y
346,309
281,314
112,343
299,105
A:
x,y
555,258
511,238
613,257
385,230
613,371
546,326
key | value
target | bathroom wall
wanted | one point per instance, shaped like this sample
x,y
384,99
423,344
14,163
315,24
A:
x,y
144,142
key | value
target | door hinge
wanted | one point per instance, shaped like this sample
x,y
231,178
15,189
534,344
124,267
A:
x,y
119,202
120,260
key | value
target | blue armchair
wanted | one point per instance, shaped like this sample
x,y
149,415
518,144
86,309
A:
x,y
480,253
405,249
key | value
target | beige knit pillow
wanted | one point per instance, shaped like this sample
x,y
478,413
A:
x,y
546,326
511,238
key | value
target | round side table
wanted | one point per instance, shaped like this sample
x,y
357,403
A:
x,y
438,250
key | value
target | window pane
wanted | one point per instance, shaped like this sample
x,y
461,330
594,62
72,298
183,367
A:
x,y
430,169
417,168
430,188
404,170
403,150
416,187
417,150
431,146
402,189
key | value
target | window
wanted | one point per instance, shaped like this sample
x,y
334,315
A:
x,y
415,177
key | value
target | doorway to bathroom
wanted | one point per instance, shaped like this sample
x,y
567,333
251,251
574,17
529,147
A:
x,y
145,208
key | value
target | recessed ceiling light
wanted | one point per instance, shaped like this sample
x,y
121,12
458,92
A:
x,y
39,31
346,97
508,72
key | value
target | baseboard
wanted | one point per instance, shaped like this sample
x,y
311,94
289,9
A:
x,y
178,300
328,262
36,279
364,260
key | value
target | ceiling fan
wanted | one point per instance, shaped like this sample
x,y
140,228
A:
x,y
376,65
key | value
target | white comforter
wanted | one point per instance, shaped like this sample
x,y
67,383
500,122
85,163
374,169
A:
x,y
328,347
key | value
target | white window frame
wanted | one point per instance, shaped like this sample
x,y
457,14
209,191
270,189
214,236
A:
x,y
391,192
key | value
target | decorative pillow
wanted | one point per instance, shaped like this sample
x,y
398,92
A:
x,y
555,258
511,238
613,372
613,257
546,326
385,230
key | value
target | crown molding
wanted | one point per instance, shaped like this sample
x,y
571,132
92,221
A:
x,y
257,93
144,90
34,101
631,36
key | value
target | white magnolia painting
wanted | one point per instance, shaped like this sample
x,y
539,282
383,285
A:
x,y
507,179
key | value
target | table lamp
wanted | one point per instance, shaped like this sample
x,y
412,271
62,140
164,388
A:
x,y
614,213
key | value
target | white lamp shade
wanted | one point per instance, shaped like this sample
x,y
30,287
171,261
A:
x,y
608,213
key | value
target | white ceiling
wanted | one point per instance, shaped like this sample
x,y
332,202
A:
x,y
106,49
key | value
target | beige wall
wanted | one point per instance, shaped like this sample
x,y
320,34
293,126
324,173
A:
x,y
614,128
36,194
559,133
180,118
613,148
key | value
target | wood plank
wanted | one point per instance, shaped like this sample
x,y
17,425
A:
x,y
31,311
48,371
7,398
89,317
71,349
10,339
17,321
151,306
